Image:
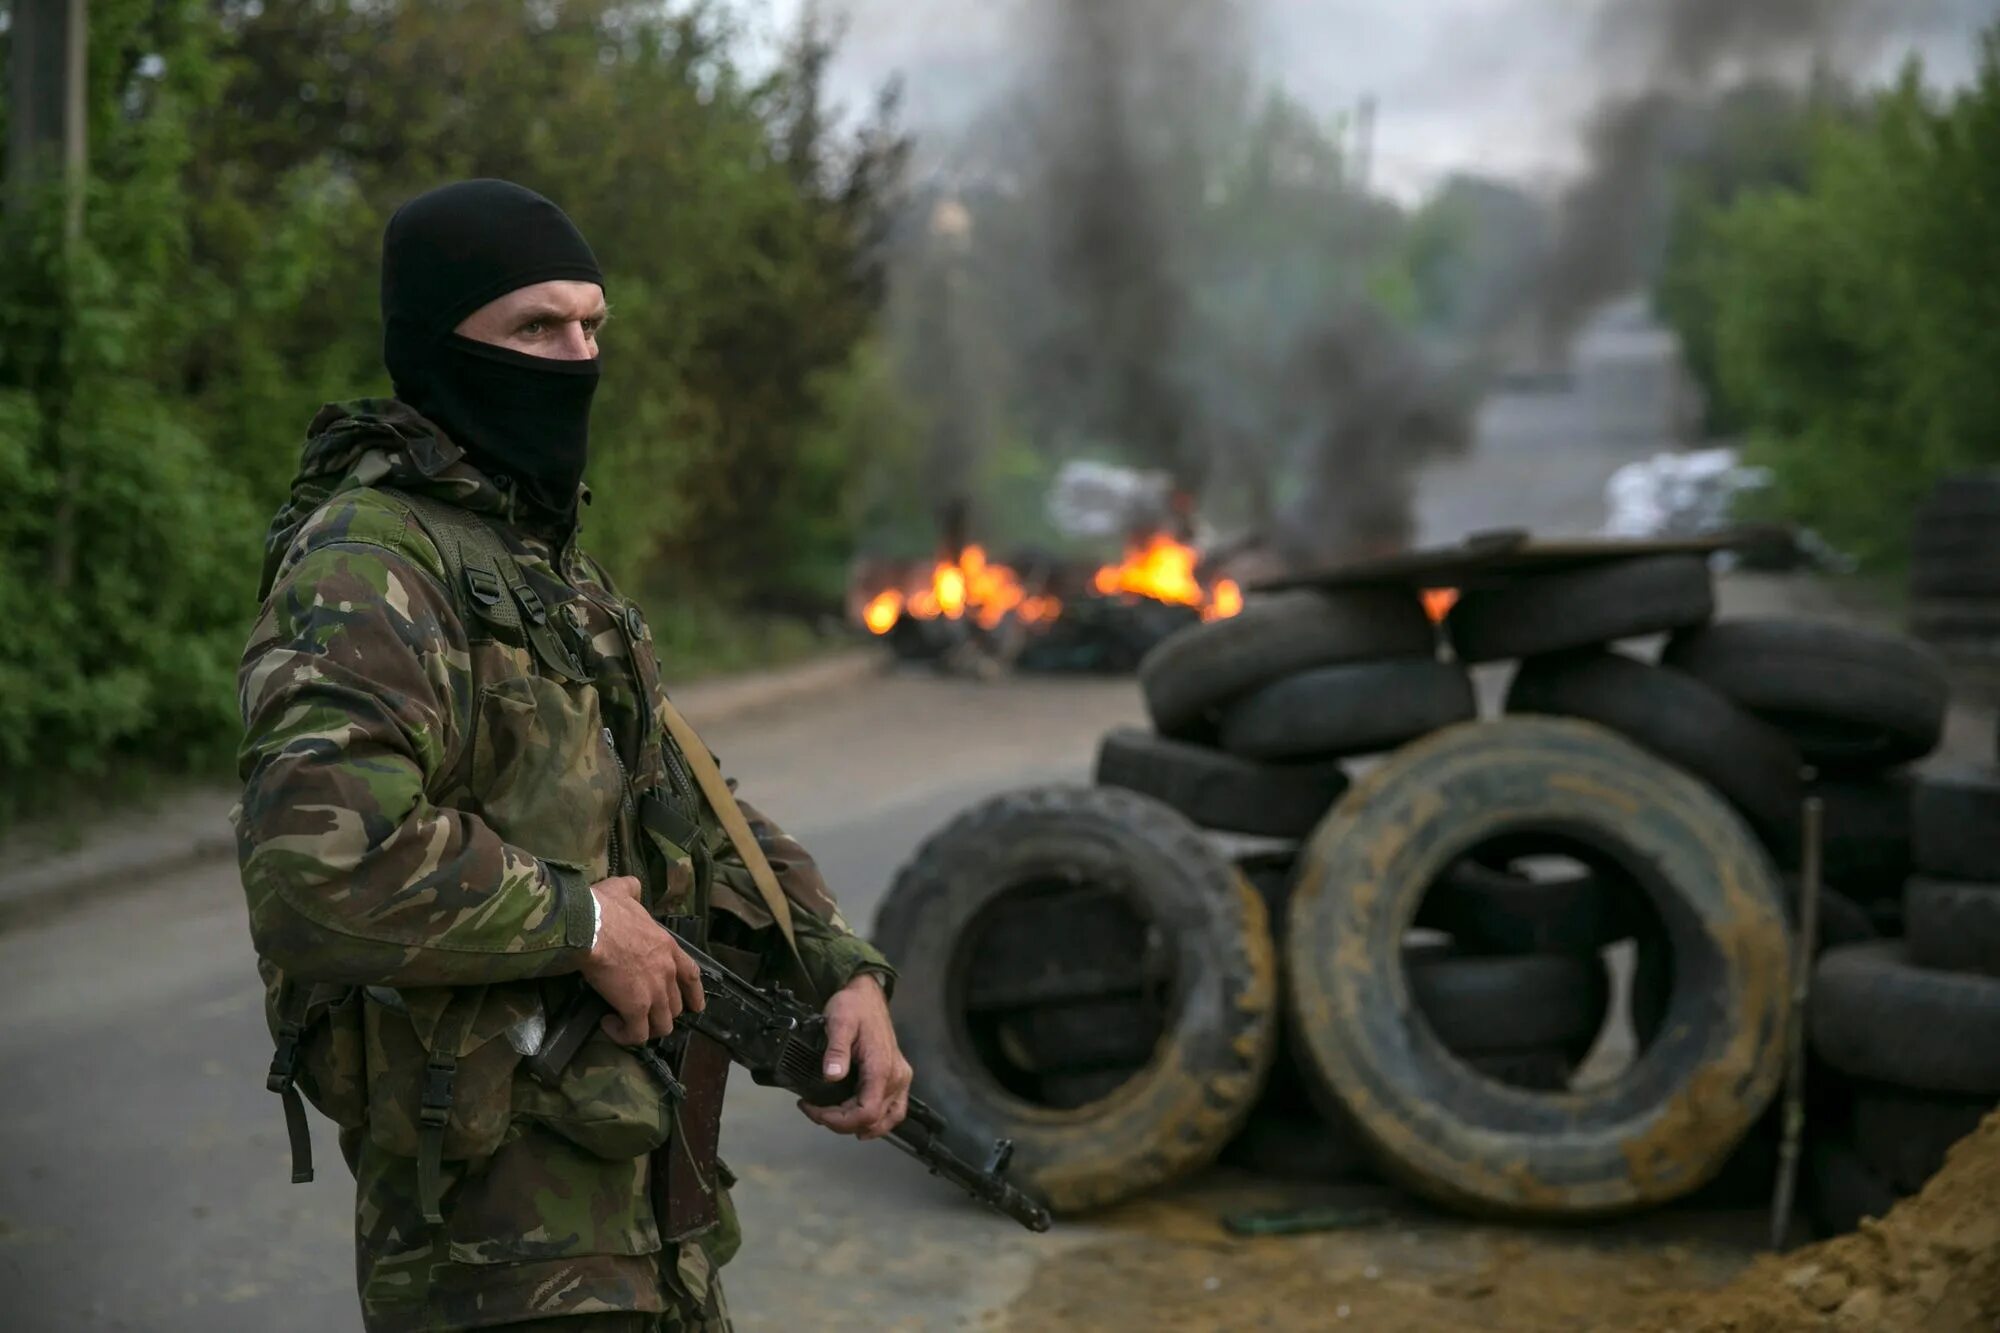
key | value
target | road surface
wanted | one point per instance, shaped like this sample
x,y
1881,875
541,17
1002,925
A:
x,y
144,1180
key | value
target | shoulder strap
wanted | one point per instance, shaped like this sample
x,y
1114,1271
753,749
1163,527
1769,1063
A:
x,y
723,802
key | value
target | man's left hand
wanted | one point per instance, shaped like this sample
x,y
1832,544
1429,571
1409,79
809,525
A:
x,y
858,1030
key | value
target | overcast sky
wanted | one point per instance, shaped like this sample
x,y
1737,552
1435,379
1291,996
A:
x,y
1500,85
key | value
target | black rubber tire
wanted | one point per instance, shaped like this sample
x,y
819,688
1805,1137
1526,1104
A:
x,y
1876,1015
1340,711
1956,823
1082,944
1117,1032
1487,910
1295,1146
1851,700
1545,1070
1953,927
1168,1118
1842,1188
1973,494
1866,839
1841,919
1455,1136
1581,608
1956,621
1489,1006
1291,1135
1904,1136
1681,720
1963,572
1204,667
1217,790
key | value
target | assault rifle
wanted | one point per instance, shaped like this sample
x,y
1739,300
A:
x,y
783,1044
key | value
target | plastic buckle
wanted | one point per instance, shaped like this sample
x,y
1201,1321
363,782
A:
x,y
531,602
635,624
436,1107
284,1060
483,584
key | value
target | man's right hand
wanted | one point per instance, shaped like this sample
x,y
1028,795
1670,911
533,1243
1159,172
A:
x,y
637,967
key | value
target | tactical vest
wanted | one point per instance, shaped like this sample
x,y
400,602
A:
x,y
433,1073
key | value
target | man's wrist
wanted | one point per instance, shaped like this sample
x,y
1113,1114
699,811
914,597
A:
x,y
883,978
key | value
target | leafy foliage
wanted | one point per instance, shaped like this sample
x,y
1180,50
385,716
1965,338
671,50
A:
x,y
1849,321
157,372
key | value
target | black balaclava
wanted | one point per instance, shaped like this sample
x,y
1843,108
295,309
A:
x,y
445,254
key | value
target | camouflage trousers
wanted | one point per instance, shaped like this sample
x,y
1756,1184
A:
x,y
716,1321
416,1278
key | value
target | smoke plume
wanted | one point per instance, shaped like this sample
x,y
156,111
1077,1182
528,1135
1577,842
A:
x,y
1170,263
1671,58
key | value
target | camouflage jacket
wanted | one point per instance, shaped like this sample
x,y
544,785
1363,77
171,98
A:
x,y
425,803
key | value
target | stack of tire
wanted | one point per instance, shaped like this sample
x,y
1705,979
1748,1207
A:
x,y
1955,565
1442,902
1915,1023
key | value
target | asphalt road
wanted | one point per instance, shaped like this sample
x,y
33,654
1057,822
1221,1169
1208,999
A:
x,y
144,1178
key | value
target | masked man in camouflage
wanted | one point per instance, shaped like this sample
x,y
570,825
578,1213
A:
x,y
467,795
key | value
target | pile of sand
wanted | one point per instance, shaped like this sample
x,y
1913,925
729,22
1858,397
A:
x,y
1933,1264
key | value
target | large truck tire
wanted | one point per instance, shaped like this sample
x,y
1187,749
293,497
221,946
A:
x,y
1953,927
1220,791
1581,608
1656,1133
1876,1015
1679,719
1850,699
1955,819
1205,955
1359,708
1200,669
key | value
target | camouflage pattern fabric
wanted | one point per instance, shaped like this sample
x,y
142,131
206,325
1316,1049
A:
x,y
425,802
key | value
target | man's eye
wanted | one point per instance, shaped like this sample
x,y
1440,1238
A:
x,y
535,327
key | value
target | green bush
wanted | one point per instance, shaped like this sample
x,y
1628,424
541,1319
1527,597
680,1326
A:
x,y
1850,325
158,371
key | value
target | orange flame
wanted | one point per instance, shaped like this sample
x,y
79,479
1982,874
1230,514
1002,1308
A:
x,y
970,586
1438,603
974,587
1163,569
883,611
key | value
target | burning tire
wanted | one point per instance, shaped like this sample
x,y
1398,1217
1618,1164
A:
x,y
1056,900
1220,791
1664,1127
1355,709
1680,720
1953,927
1200,669
1581,608
1851,700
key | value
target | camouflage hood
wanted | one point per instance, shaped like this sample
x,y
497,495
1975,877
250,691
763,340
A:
x,y
376,442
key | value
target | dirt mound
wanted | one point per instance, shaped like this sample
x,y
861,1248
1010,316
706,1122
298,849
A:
x,y
1932,1264
1167,1265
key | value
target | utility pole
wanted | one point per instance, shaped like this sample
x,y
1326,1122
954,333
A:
x,y
46,139
47,124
